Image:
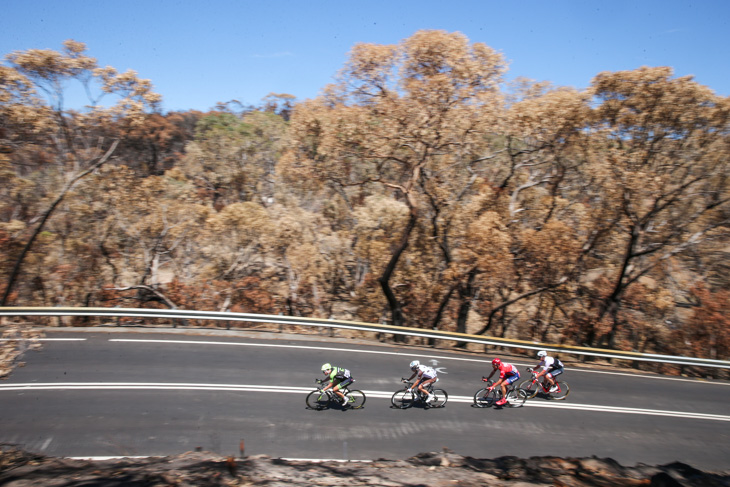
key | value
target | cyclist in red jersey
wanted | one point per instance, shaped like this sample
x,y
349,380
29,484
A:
x,y
508,374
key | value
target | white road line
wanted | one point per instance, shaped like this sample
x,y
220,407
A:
x,y
369,394
277,345
486,361
45,444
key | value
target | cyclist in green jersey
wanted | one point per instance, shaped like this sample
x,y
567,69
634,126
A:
x,y
339,378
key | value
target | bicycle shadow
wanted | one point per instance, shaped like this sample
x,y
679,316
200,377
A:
x,y
417,405
333,407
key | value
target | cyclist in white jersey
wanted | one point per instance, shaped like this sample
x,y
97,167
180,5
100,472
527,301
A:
x,y
426,375
551,367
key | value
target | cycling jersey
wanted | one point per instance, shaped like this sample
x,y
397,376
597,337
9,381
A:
x,y
508,371
426,372
550,364
339,374
546,363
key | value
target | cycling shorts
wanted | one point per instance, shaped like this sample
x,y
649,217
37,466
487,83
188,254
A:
x,y
343,383
509,379
556,372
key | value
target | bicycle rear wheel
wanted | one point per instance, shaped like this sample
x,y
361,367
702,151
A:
x,y
516,398
357,399
318,400
439,398
402,399
562,392
530,388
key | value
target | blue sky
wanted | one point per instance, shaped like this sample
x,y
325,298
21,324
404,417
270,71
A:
x,y
199,52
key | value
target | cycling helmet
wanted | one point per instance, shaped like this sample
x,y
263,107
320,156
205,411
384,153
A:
x,y
496,362
415,364
541,353
326,367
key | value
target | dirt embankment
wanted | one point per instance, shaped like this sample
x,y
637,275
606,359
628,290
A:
x,y
19,468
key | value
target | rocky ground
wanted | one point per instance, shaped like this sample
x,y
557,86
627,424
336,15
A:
x,y
19,468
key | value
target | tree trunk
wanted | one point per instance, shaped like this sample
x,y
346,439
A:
x,y
396,311
19,262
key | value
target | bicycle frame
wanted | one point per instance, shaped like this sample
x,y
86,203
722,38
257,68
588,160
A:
x,y
514,396
417,393
534,385
541,383
330,392
406,397
322,399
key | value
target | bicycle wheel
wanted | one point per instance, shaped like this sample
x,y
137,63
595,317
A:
x,y
516,398
492,397
562,392
530,388
318,400
402,399
480,398
439,398
357,399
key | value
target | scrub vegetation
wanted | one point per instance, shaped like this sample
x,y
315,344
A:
x,y
419,189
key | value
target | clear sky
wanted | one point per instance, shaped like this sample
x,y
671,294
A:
x,y
200,52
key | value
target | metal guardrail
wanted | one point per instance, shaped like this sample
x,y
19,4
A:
x,y
353,325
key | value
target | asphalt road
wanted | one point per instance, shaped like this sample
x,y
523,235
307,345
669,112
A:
x,y
140,392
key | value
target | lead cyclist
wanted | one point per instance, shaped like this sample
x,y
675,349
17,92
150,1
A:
x,y
339,378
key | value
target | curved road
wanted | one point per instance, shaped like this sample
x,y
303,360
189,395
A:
x,y
114,392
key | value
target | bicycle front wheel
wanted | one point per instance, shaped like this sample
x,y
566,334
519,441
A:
x,y
318,400
357,399
439,398
480,398
492,397
516,398
530,387
562,392
402,399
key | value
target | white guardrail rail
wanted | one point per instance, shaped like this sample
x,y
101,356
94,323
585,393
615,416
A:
x,y
353,325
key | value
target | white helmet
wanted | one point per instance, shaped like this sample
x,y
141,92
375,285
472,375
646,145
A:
x,y
542,353
415,364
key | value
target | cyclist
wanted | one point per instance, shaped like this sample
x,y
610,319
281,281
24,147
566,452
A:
x,y
508,374
339,378
551,367
426,375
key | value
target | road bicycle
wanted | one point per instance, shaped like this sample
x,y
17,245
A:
x,y
319,399
533,385
484,398
407,397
